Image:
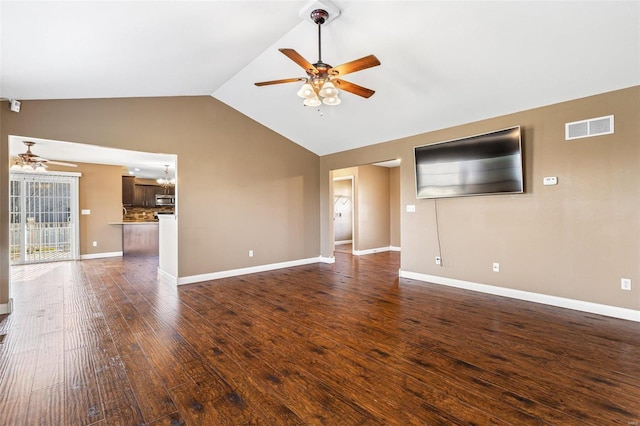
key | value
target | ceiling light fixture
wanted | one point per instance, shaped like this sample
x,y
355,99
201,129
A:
x,y
318,88
322,81
21,165
30,162
166,182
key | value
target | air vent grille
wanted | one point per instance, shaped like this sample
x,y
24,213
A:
x,y
587,128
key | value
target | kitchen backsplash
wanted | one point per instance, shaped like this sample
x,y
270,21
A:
x,y
142,213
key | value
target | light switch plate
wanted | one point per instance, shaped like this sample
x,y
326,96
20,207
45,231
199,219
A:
x,y
86,211
550,180
411,208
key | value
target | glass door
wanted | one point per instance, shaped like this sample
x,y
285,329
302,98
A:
x,y
43,217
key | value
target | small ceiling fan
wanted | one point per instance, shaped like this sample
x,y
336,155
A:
x,y
323,79
29,160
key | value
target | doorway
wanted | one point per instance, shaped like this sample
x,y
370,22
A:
x,y
43,217
343,213
373,209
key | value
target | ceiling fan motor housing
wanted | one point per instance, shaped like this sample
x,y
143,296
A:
x,y
319,16
331,9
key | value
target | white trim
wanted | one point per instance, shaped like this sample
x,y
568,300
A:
x,y
374,250
394,248
47,173
561,302
6,308
100,255
165,276
337,243
252,269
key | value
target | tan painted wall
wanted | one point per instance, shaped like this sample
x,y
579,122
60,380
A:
x,y
241,185
573,240
100,190
373,208
394,206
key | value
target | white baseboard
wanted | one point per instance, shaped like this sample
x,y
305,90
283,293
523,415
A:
x,y
337,243
252,270
165,276
6,308
101,255
375,250
561,302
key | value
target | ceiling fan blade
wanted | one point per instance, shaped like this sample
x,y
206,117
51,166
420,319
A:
x,y
357,65
353,88
59,163
286,80
298,59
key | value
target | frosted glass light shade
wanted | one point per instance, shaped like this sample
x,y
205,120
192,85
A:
x,y
328,90
306,91
314,101
332,100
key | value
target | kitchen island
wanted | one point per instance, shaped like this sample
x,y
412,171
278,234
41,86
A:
x,y
139,238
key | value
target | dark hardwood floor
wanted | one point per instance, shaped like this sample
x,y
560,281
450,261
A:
x,y
104,342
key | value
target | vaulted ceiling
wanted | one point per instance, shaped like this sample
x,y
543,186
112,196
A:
x,y
444,63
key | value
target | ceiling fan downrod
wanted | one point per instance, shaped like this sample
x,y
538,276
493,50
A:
x,y
319,16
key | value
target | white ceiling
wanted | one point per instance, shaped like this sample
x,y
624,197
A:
x,y
444,63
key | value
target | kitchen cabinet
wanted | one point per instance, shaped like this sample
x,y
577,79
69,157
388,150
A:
x,y
166,191
145,195
128,189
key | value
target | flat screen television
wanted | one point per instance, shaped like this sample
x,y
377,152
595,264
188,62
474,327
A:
x,y
490,163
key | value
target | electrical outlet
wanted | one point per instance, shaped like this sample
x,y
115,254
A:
x,y
625,283
95,244
438,260
496,267
250,253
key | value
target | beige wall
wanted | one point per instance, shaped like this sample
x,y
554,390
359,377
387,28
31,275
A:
x,y
100,191
241,186
573,240
373,208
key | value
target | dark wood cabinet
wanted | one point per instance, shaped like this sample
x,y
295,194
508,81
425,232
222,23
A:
x,y
128,190
166,191
139,195
145,196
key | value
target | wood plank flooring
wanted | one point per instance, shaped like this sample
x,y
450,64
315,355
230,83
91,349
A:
x,y
103,342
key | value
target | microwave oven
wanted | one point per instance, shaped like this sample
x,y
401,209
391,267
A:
x,y
165,200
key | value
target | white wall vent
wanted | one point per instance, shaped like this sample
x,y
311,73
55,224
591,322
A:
x,y
587,128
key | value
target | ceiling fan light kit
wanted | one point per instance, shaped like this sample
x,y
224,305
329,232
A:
x,y
323,80
30,162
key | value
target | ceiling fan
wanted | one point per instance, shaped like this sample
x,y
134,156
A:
x,y
323,79
28,160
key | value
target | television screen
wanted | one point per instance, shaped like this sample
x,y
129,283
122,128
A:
x,y
490,163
